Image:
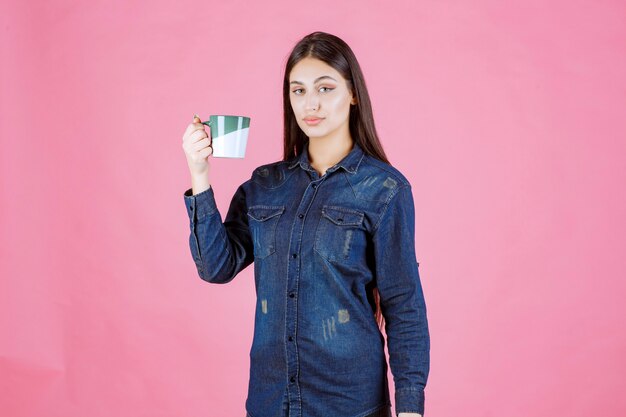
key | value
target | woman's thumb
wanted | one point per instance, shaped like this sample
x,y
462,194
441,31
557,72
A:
x,y
195,116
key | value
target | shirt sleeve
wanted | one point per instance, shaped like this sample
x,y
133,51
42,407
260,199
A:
x,y
219,249
402,300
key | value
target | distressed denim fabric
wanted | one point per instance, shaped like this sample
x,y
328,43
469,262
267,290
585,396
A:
x,y
319,245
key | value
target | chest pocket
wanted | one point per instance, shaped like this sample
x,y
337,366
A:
x,y
263,220
338,231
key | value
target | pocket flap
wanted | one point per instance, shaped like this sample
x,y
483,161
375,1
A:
x,y
263,213
343,216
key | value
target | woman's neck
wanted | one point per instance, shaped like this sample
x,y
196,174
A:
x,y
326,152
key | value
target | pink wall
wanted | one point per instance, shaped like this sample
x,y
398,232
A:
x,y
507,117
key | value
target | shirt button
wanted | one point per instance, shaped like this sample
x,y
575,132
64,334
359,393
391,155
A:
x,y
191,208
292,295
301,215
293,379
294,255
314,185
290,338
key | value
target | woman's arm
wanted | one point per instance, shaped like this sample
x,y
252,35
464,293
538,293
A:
x,y
219,250
402,301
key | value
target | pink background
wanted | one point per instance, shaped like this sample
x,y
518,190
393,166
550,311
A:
x,y
507,117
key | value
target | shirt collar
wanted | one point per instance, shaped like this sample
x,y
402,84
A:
x,y
350,162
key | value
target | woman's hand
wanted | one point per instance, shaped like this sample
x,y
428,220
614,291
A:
x,y
197,147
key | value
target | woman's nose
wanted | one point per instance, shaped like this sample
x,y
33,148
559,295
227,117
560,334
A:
x,y
312,103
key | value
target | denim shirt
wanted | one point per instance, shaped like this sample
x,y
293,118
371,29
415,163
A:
x,y
319,245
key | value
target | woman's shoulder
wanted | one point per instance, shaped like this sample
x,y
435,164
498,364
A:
x,y
391,175
271,174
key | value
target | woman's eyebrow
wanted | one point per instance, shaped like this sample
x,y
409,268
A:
x,y
316,80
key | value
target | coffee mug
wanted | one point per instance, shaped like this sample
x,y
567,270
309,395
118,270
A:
x,y
229,135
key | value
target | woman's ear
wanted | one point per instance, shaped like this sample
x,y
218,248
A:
x,y
353,101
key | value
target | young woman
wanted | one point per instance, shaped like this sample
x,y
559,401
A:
x,y
330,229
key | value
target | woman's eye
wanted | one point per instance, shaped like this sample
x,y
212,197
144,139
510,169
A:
x,y
299,89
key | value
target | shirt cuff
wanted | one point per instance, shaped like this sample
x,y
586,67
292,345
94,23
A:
x,y
410,401
200,205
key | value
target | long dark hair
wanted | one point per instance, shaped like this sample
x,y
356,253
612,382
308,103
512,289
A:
x,y
336,53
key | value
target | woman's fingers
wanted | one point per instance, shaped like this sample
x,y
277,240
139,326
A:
x,y
192,128
201,144
197,135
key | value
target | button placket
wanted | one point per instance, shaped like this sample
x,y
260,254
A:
x,y
291,315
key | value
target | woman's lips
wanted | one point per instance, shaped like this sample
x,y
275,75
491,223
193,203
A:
x,y
313,122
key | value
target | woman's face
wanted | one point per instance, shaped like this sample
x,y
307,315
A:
x,y
318,90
